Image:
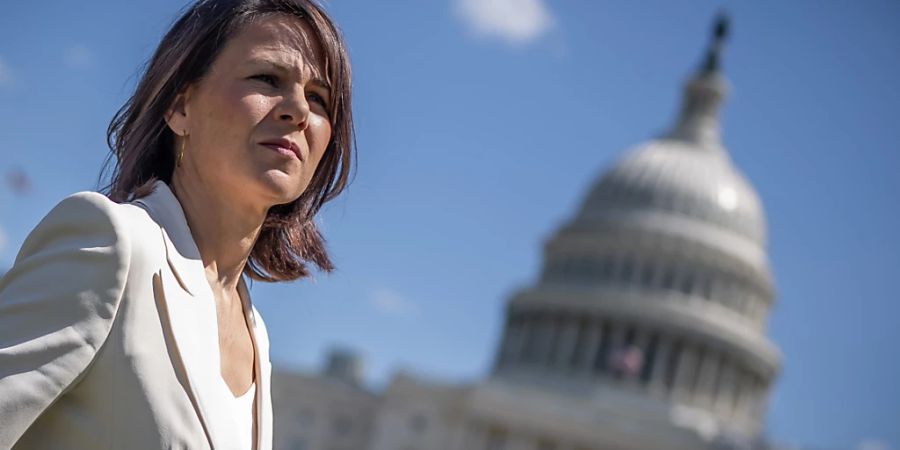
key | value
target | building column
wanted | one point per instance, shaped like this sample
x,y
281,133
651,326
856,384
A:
x,y
743,395
685,373
758,403
527,330
544,343
565,342
658,366
535,341
706,382
724,396
593,334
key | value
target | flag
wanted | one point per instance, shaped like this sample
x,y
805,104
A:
x,y
627,361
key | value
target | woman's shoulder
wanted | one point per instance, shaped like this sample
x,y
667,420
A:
x,y
89,208
98,206
90,216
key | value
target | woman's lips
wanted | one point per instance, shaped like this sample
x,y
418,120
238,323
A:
x,y
284,147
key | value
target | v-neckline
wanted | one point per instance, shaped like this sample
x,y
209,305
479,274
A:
x,y
247,312
247,309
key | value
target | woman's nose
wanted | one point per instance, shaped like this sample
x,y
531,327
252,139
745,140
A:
x,y
294,109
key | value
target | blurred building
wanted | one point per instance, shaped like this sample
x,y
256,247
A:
x,y
646,328
330,410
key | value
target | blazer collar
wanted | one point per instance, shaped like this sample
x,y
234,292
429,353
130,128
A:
x,y
191,317
183,255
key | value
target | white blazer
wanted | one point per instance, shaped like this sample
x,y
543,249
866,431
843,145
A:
x,y
108,336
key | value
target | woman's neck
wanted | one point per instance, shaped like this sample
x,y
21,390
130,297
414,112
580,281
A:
x,y
223,229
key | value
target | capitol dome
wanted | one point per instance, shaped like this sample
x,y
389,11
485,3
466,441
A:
x,y
685,178
680,178
653,299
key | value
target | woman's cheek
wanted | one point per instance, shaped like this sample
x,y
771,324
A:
x,y
257,106
322,134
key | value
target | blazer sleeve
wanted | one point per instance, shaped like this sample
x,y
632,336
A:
x,y
57,306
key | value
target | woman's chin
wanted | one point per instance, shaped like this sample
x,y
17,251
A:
x,y
281,188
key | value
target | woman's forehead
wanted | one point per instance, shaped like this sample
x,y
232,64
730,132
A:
x,y
284,41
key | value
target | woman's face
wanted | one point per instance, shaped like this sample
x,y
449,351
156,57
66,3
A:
x,y
258,122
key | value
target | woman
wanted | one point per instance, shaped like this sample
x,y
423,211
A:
x,y
125,321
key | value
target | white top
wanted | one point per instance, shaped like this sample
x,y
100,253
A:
x,y
243,414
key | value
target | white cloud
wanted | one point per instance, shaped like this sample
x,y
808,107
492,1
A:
x,y
78,57
391,303
2,244
516,21
6,74
872,444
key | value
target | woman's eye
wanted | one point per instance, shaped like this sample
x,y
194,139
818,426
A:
x,y
317,98
268,79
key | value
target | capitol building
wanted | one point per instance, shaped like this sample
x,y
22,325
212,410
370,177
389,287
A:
x,y
645,330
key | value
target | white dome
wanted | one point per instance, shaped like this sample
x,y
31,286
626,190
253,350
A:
x,y
681,178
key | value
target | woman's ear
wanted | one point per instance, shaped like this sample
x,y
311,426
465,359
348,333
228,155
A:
x,y
176,116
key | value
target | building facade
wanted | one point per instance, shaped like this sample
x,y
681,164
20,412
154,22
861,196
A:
x,y
329,410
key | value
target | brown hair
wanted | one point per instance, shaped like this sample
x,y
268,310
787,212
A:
x,y
143,145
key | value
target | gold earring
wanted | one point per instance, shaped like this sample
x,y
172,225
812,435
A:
x,y
181,150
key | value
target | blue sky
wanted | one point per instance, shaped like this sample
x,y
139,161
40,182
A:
x,y
479,132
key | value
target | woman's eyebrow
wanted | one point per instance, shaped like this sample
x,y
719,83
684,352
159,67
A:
x,y
283,68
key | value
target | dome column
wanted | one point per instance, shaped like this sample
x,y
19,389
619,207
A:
x,y
593,335
566,341
659,365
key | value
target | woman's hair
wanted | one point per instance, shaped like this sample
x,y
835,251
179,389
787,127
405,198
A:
x,y
143,144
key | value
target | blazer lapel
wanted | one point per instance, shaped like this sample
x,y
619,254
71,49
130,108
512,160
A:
x,y
263,371
190,307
